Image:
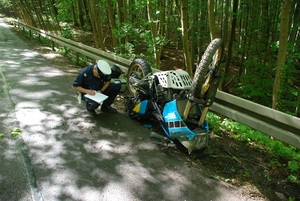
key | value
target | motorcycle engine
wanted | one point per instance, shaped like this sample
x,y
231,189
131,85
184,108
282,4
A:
x,y
170,84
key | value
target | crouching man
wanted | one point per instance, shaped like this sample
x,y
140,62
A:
x,y
97,77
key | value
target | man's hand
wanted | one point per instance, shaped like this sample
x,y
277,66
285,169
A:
x,y
86,91
91,92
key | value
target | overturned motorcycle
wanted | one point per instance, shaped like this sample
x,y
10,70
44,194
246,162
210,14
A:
x,y
177,102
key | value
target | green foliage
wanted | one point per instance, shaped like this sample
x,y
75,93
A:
x,y
5,4
125,29
121,33
214,122
255,86
256,83
15,132
66,31
65,12
294,179
130,51
290,82
294,166
274,46
291,199
6,7
140,38
63,50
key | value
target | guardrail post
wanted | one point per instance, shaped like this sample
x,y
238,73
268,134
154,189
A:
x,y
77,58
66,50
53,45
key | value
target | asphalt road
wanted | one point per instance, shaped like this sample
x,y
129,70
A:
x,y
64,154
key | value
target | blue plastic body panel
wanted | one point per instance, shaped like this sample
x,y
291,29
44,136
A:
x,y
176,126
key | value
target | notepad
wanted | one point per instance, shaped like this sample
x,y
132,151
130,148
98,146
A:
x,y
98,97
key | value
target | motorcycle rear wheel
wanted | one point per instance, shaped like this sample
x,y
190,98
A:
x,y
138,69
206,69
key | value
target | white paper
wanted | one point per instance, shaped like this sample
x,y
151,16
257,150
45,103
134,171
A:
x,y
98,97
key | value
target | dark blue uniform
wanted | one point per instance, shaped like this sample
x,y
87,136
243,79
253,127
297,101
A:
x,y
87,80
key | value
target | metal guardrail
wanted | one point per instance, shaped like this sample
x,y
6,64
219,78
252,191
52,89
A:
x,y
272,122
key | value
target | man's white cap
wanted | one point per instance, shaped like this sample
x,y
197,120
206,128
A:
x,y
103,67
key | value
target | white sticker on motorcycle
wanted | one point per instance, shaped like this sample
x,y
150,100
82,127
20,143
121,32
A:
x,y
171,115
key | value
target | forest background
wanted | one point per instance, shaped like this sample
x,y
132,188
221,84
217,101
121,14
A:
x,y
260,60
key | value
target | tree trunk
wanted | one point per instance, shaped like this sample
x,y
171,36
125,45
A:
x,y
80,13
232,36
54,14
99,28
295,32
202,27
226,22
211,14
168,20
281,58
96,21
121,23
194,32
244,27
27,14
185,37
112,22
74,15
156,47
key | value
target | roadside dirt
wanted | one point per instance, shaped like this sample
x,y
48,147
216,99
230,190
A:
x,y
228,160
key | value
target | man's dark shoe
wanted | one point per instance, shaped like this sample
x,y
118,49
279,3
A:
x,y
108,109
92,112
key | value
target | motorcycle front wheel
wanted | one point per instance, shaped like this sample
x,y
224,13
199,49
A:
x,y
206,69
138,69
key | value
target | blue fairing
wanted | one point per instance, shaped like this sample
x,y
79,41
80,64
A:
x,y
176,126
140,109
